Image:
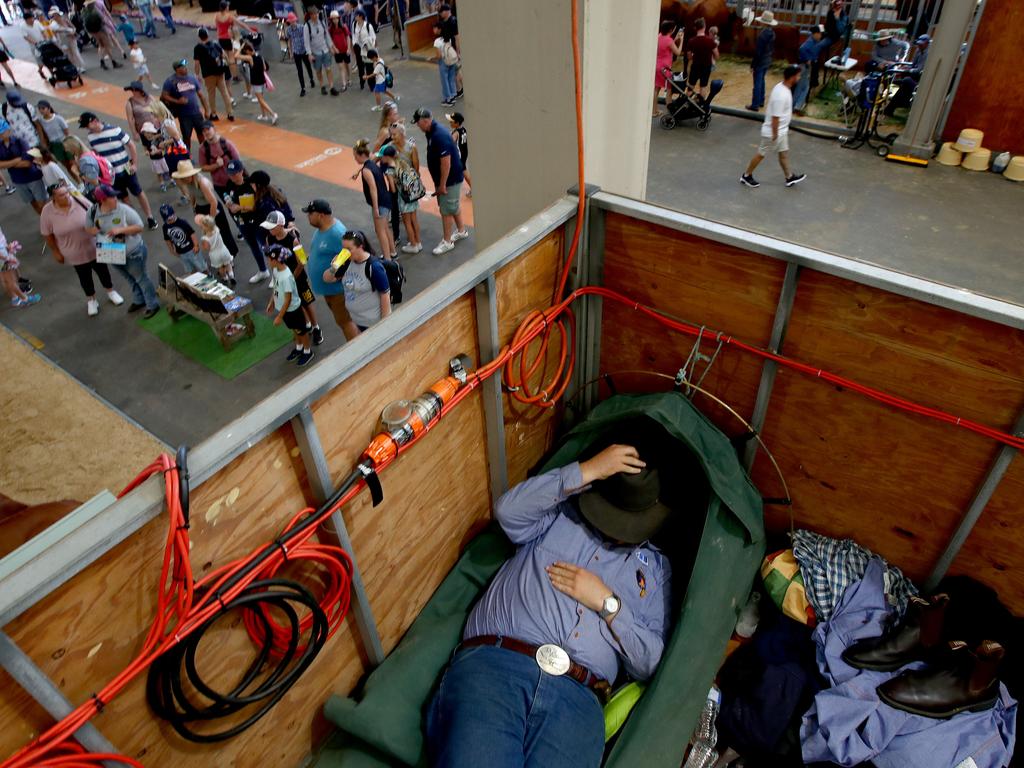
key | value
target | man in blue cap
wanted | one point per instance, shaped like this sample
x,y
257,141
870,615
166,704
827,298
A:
x,y
25,175
908,83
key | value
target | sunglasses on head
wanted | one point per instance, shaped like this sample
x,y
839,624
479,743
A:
x,y
54,187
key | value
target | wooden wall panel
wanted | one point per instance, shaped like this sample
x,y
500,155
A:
x,y
992,553
87,631
525,285
724,288
991,92
436,495
896,482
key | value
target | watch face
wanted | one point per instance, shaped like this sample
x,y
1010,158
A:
x,y
611,604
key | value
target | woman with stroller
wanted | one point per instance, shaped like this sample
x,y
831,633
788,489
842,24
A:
x,y
670,45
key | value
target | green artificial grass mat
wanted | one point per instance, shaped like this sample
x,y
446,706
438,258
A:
x,y
197,341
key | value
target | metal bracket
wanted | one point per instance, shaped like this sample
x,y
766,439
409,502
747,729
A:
x,y
320,482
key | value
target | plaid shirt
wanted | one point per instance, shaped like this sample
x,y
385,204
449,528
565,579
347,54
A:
x,y
829,566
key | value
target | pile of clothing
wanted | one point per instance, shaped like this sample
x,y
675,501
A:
x,y
850,666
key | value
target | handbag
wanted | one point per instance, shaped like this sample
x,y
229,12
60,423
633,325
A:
x,y
410,185
269,85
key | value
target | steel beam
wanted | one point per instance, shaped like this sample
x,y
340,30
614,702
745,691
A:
x,y
35,682
589,271
489,339
88,541
959,299
319,475
783,311
981,499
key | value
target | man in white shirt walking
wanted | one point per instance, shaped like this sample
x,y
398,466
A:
x,y
775,131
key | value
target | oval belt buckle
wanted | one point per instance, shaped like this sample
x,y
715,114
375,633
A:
x,y
552,659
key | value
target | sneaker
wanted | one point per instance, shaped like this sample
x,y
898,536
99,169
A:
x,y
116,65
293,354
28,301
10,190
458,95
259,277
456,236
150,312
749,181
335,91
261,117
92,307
323,90
318,336
233,104
795,179
25,285
448,102
302,92
214,117
231,118
133,307
305,358
115,298
376,108
273,120
443,247
151,223
397,98
103,64
410,248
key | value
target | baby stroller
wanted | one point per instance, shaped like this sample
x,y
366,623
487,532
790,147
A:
x,y
684,104
61,68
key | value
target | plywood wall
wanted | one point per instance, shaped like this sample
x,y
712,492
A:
x,y
696,280
991,92
895,482
436,498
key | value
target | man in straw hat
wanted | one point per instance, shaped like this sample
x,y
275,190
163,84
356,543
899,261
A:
x,y
764,50
585,596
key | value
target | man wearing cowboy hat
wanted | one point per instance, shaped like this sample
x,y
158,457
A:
x,y
908,83
764,49
585,597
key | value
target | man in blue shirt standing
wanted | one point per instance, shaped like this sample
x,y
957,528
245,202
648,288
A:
x,y
764,50
184,95
325,251
807,57
585,595
25,175
445,165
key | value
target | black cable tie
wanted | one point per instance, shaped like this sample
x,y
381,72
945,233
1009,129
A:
x,y
98,702
283,548
220,600
184,527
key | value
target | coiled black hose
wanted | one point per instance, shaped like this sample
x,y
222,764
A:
x,y
268,677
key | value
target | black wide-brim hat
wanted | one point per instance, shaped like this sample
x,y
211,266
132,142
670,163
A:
x,y
627,508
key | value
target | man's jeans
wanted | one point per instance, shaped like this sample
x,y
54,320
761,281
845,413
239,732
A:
x,y
496,708
448,87
803,87
134,271
168,20
149,28
757,100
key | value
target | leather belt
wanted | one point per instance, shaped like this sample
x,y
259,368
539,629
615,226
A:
x,y
577,672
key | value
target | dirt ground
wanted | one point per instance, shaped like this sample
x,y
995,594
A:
x,y
58,441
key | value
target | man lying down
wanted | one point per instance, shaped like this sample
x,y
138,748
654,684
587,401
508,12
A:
x,y
585,596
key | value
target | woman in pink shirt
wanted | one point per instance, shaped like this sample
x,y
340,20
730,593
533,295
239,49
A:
x,y
670,44
62,222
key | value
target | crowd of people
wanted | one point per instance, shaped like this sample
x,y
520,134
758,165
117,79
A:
x,y
85,186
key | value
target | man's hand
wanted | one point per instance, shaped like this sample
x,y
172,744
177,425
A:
x,y
611,461
579,584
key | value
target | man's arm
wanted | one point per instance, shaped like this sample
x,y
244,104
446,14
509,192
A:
x,y
442,182
133,153
640,628
529,509
202,99
775,127
385,304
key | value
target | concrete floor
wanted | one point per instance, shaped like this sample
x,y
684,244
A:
x,y
945,224
171,396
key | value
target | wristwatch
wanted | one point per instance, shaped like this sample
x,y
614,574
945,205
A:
x,y
610,606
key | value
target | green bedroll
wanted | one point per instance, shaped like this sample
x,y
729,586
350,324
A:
x,y
384,727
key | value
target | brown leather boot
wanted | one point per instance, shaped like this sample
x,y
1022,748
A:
x,y
913,640
964,682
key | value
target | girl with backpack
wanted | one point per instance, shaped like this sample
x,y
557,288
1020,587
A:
x,y
382,80
410,186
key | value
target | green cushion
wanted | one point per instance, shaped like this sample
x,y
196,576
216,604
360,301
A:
x,y
389,714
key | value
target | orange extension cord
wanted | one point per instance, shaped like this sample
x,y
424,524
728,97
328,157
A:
x,y
178,614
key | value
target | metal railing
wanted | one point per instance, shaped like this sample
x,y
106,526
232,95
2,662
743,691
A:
x,y
866,15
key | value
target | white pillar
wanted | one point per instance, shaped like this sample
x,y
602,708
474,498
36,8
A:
x,y
619,53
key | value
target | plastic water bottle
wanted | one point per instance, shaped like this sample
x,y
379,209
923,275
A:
x,y
705,732
846,56
701,756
